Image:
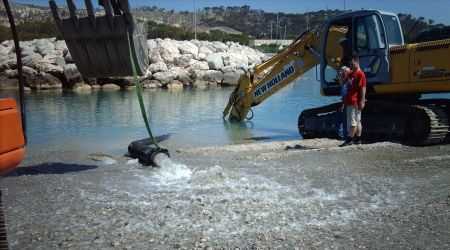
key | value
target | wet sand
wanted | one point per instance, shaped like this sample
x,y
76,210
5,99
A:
x,y
283,195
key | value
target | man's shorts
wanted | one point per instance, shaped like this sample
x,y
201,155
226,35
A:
x,y
353,116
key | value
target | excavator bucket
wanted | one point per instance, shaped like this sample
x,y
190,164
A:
x,y
102,46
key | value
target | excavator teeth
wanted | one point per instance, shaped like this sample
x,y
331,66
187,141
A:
x,y
104,46
73,12
91,12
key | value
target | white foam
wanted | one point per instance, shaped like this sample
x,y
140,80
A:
x,y
170,172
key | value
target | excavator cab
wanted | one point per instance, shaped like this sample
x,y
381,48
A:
x,y
367,33
102,46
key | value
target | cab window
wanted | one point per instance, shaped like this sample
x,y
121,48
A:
x,y
369,33
394,33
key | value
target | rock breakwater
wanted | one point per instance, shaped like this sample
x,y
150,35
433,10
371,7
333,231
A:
x,y
173,65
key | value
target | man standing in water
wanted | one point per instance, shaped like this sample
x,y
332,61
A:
x,y
355,101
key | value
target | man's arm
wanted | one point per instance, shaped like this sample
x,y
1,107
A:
x,y
362,102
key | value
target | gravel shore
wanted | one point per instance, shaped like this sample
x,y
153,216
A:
x,y
279,195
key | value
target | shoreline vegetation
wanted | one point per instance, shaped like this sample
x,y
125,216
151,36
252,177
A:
x,y
173,65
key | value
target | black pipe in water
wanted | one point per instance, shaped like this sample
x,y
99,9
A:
x,y
146,151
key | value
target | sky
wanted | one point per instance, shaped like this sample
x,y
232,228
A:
x,y
437,10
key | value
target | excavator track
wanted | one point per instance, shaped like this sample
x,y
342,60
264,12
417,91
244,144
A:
x,y
420,123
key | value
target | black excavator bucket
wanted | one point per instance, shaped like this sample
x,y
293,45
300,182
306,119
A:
x,y
101,45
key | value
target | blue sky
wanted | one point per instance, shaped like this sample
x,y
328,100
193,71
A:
x,y
437,10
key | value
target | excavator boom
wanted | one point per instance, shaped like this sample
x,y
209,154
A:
x,y
273,74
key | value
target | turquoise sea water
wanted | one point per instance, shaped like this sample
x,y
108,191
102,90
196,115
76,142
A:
x,y
108,121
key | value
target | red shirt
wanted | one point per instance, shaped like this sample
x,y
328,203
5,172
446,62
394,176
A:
x,y
354,91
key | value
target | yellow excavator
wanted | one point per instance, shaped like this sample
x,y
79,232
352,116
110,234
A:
x,y
397,75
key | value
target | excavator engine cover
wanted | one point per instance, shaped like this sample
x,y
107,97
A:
x,y
12,141
101,45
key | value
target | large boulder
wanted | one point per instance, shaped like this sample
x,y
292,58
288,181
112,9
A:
x,y
60,61
53,57
215,61
7,43
31,60
157,67
200,84
8,83
187,47
110,87
26,51
253,58
4,51
40,80
44,47
8,63
183,60
155,56
151,84
198,65
168,50
206,50
164,77
181,74
82,87
68,58
61,45
235,59
214,76
49,81
232,77
71,73
152,45
219,46
10,73
175,85
47,66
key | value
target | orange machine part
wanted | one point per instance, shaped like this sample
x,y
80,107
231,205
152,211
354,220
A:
x,y
12,142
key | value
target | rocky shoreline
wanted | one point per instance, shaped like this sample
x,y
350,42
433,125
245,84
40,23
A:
x,y
314,195
173,65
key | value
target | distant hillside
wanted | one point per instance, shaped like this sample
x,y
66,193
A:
x,y
234,21
24,13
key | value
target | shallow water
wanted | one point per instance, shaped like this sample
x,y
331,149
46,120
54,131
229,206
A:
x,y
108,121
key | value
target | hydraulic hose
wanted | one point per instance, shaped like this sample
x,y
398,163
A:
x,y
139,90
19,67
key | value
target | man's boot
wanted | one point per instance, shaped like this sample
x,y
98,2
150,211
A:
x,y
357,140
347,142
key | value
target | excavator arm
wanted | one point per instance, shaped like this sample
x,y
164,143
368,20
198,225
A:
x,y
272,75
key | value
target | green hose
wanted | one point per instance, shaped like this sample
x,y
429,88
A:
x,y
139,90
